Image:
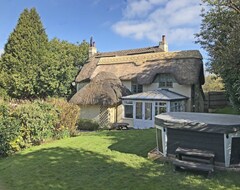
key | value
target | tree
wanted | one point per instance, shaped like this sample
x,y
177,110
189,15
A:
x,y
35,67
219,36
64,62
24,54
213,83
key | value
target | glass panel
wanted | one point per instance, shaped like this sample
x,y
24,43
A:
x,y
161,107
140,88
162,84
156,110
162,110
148,111
159,140
134,88
128,111
138,110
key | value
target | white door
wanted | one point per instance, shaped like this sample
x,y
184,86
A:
x,y
143,115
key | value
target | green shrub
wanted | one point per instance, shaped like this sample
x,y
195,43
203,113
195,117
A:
x,y
68,116
37,122
9,132
4,95
87,124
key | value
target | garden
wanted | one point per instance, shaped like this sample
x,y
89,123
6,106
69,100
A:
x,y
102,160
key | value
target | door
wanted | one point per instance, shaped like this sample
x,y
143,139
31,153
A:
x,y
143,115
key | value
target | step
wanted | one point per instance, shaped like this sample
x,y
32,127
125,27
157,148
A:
x,y
193,165
195,152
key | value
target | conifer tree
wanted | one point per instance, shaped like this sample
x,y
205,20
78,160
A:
x,y
24,56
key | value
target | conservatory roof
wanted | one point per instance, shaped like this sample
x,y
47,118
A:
x,y
159,94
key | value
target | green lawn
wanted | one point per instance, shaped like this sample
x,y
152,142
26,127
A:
x,y
102,160
227,110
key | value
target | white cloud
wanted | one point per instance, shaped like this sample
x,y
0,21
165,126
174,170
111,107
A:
x,y
150,19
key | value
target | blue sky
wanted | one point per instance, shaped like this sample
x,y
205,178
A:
x,y
114,24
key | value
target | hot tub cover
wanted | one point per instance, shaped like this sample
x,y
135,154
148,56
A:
x,y
204,122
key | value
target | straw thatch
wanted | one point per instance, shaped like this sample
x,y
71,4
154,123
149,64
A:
x,y
142,65
104,89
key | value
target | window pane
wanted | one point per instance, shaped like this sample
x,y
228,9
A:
x,y
140,88
148,111
128,111
156,110
138,110
134,88
169,84
162,110
162,84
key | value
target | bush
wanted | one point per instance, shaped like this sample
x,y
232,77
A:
x,y
37,122
25,124
9,132
68,116
87,124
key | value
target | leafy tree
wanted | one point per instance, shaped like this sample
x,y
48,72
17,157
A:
x,y
213,83
24,54
33,67
64,62
219,36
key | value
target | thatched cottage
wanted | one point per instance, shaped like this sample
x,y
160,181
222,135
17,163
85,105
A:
x,y
135,85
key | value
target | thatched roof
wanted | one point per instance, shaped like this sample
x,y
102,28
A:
x,y
104,89
142,65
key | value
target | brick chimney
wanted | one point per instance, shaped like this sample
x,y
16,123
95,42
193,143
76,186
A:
x,y
92,48
163,44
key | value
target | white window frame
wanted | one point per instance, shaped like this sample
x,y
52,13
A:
x,y
128,103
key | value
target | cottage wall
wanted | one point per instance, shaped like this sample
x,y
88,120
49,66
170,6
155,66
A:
x,y
127,84
90,112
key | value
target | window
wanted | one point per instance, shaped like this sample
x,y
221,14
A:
x,y
148,111
160,107
177,106
165,81
137,88
128,109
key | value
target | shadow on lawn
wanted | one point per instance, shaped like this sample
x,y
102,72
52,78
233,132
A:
x,y
67,168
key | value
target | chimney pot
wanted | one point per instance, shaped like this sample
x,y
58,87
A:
x,y
163,44
163,39
92,48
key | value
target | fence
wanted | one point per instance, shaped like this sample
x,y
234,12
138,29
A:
x,y
214,100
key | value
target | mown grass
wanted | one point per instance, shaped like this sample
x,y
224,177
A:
x,y
102,160
227,110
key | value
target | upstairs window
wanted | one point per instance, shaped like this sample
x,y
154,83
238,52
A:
x,y
177,106
137,88
165,81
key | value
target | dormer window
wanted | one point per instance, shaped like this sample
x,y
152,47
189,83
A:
x,y
137,88
165,81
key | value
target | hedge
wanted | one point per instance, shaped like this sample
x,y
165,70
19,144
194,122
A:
x,y
32,123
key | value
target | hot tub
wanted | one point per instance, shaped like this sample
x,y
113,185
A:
x,y
219,133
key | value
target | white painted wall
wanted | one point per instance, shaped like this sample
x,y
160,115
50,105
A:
x,y
180,89
127,84
90,112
